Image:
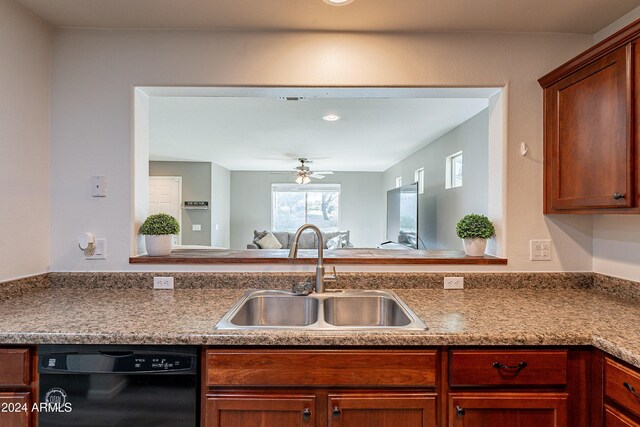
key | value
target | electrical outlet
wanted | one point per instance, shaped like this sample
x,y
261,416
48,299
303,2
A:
x,y
454,282
163,283
540,250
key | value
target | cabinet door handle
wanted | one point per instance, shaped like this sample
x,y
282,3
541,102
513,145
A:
x,y
459,410
306,414
631,389
618,196
336,411
519,366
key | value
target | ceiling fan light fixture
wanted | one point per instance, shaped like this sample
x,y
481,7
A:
x,y
299,179
338,2
306,180
331,117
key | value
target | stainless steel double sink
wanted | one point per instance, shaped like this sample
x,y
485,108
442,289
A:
x,y
331,310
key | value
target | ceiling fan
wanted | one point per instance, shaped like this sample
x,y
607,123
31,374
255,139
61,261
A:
x,y
303,174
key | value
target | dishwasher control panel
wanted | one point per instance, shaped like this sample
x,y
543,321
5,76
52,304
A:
x,y
114,362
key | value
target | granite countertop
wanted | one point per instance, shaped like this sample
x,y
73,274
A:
x,y
187,316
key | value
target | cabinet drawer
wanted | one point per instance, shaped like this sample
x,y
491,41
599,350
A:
x,y
622,385
321,368
507,367
14,367
12,413
614,418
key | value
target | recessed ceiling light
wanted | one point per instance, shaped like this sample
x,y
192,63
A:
x,y
337,2
331,118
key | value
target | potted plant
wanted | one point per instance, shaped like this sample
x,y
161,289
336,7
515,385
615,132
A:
x,y
158,230
474,230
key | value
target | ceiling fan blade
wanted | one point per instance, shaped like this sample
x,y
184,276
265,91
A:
x,y
282,173
323,172
317,176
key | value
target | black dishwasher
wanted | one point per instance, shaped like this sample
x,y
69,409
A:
x,y
88,385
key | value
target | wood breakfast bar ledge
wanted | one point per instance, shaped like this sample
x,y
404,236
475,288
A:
x,y
309,256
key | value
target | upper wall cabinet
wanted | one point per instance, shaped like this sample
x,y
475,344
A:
x,y
590,138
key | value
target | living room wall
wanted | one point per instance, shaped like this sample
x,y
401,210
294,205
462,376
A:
x,y
196,185
362,209
439,209
220,206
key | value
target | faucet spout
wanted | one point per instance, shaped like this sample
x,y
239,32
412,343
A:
x,y
293,253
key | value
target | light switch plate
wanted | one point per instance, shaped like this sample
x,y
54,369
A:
x,y
99,186
196,227
540,250
100,251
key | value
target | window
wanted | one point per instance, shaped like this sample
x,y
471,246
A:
x,y
418,176
293,205
454,170
399,182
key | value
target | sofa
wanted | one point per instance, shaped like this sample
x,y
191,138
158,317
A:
x,y
308,239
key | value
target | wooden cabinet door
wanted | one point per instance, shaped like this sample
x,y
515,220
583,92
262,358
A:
x,y
488,409
589,139
15,409
260,410
382,410
14,367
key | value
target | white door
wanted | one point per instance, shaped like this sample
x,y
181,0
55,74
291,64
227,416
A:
x,y
165,196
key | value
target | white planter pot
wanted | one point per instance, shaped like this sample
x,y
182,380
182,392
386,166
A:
x,y
159,245
475,246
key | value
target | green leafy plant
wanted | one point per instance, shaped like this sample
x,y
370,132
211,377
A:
x,y
160,224
475,226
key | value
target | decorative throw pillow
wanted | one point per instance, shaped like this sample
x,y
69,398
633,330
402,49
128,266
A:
x,y
269,241
333,243
257,235
340,241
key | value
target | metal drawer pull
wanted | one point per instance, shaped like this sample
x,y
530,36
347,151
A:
x,y
618,196
459,410
306,414
336,411
631,389
519,366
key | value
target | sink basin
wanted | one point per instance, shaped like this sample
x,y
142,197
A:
x,y
369,310
276,310
338,310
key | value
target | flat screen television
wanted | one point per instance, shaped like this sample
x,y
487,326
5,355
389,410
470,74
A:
x,y
402,215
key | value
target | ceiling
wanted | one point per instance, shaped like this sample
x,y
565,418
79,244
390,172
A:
x,y
270,134
564,16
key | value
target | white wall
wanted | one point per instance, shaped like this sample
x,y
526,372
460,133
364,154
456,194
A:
x,y
93,70
616,238
440,209
617,25
25,44
139,169
616,245
220,206
361,205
